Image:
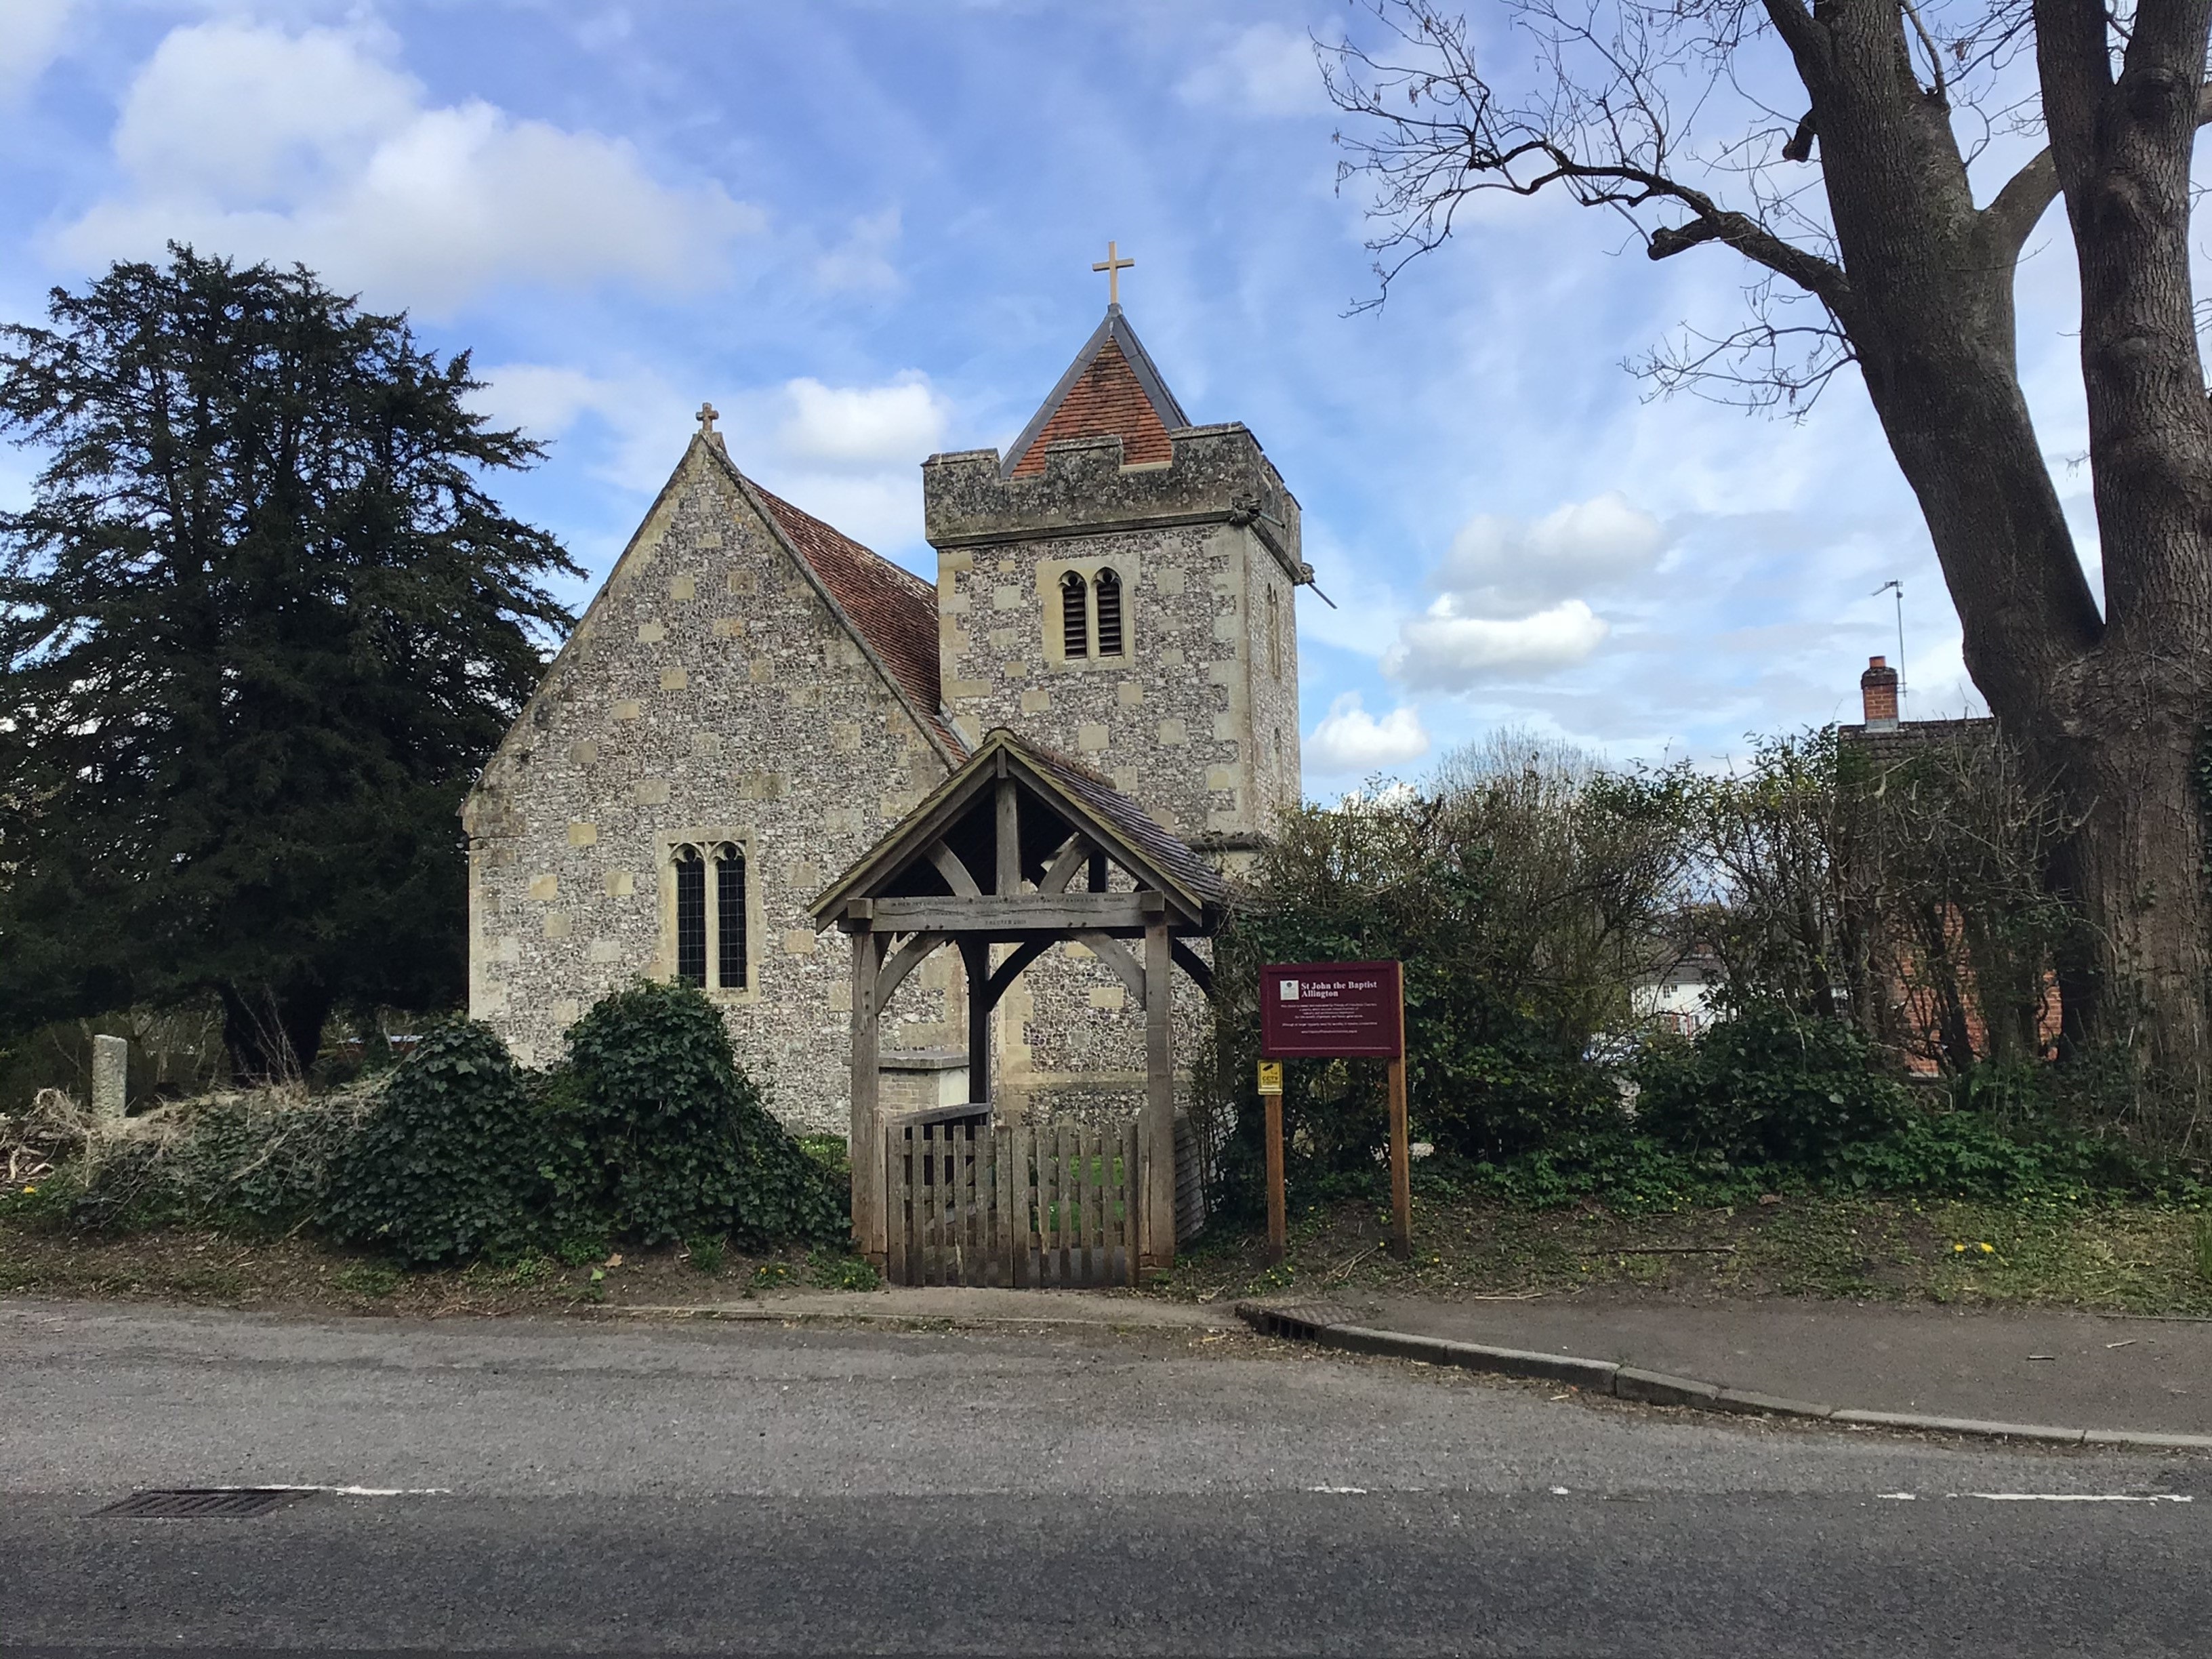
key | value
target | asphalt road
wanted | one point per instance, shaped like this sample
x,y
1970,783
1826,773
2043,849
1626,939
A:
x,y
574,1487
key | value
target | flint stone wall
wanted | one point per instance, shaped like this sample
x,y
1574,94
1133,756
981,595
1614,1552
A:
x,y
709,692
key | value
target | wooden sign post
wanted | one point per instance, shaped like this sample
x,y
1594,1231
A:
x,y
1336,1010
1279,1220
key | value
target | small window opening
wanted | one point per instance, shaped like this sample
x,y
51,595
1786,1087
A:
x,y
1074,623
1274,634
691,916
1110,614
730,917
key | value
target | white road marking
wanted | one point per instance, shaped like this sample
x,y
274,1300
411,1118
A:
x,y
2078,1498
1342,1491
353,1491
1900,1497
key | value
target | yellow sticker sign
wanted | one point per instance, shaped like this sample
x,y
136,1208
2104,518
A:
x,y
1271,1076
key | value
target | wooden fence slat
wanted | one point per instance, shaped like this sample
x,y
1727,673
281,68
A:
x,y
948,1192
979,1203
1033,1208
1071,1209
933,1241
1129,1143
1064,1180
896,1195
988,1251
1047,1173
1087,1214
971,1265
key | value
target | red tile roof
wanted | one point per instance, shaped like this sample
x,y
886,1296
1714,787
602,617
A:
x,y
895,610
1106,394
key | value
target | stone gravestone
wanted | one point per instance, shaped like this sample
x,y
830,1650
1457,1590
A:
x,y
111,1062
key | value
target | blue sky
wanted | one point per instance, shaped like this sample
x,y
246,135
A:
x,y
865,232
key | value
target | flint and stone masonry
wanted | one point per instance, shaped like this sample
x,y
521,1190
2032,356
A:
x,y
750,679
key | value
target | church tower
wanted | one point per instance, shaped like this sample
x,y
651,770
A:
x,y
1120,586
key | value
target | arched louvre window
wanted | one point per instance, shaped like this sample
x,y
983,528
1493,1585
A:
x,y
1074,621
1110,612
691,916
730,916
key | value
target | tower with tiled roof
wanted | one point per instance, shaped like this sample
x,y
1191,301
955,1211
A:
x,y
1121,584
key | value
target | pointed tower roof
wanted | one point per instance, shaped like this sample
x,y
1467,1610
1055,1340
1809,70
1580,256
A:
x,y
1111,389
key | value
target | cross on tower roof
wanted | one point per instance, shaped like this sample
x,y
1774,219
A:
x,y
1113,266
707,416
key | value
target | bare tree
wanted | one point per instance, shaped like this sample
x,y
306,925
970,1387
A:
x,y
1869,248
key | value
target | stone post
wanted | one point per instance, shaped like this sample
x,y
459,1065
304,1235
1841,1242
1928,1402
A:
x,y
111,1064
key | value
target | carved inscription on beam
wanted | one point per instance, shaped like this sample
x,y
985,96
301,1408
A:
x,y
1027,913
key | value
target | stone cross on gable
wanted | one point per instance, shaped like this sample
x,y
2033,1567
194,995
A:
x,y
707,416
1113,265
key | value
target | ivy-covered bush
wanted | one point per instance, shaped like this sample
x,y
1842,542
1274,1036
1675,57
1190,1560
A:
x,y
453,1163
659,1136
1768,1086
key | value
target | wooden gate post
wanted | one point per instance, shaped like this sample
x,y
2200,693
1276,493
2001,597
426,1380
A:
x,y
1159,1171
868,1151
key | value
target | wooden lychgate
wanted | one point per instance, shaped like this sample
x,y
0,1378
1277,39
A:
x,y
1026,848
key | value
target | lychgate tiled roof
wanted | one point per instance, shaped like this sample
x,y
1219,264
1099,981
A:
x,y
894,608
1165,850
1111,389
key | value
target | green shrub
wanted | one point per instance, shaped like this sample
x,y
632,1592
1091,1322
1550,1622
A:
x,y
451,1164
1768,1086
660,1137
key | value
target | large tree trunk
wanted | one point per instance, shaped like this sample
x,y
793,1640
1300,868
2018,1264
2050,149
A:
x,y
2108,706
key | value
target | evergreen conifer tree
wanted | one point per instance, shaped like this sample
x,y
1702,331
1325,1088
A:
x,y
259,625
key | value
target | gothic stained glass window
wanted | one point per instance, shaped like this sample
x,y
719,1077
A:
x,y
730,917
1109,613
1074,623
691,916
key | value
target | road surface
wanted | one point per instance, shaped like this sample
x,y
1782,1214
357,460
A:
x,y
619,1486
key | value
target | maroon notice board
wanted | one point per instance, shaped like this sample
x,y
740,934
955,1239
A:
x,y
1333,1010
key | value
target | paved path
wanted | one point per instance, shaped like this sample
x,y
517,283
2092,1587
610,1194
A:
x,y
2014,1365
633,1486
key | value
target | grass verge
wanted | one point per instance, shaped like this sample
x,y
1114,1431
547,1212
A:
x,y
2114,1257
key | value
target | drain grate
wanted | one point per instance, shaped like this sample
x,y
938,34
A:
x,y
203,1503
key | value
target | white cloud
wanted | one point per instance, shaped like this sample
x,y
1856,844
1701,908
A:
x,y
245,140
1515,594
1443,651
1350,740
862,426
1268,70
1497,564
31,33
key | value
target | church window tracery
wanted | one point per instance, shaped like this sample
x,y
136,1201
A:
x,y
730,916
691,916
711,914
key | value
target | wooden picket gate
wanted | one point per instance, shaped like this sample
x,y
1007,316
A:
x,y
974,1203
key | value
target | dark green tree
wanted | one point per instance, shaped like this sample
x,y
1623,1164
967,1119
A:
x,y
258,627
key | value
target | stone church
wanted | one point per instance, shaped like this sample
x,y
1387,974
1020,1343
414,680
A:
x,y
753,700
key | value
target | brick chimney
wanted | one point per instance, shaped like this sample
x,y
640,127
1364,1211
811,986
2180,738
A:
x,y
1878,695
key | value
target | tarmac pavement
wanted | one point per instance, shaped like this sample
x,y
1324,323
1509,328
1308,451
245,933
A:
x,y
2016,1365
